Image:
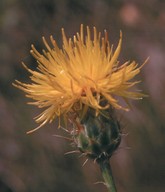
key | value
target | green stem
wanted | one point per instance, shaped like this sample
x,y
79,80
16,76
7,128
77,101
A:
x,y
107,175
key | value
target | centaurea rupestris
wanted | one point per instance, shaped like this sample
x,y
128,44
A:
x,y
81,82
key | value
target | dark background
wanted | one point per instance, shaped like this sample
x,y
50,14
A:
x,y
36,162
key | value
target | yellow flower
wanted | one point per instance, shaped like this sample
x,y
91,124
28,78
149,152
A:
x,y
84,73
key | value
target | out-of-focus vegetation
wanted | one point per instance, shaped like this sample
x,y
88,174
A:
x,y
36,162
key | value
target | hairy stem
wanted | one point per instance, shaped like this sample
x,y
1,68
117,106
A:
x,y
107,175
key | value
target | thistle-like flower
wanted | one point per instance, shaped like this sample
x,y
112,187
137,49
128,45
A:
x,y
82,82
84,74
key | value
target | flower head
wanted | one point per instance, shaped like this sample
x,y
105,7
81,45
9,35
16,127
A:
x,y
84,73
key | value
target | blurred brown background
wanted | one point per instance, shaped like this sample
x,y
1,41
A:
x,y
31,163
